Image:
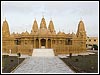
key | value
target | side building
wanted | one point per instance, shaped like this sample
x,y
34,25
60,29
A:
x,y
44,36
92,42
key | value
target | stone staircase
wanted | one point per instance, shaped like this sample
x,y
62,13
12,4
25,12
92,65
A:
x,y
42,52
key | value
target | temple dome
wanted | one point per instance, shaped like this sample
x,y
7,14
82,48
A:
x,y
26,33
73,34
22,33
60,33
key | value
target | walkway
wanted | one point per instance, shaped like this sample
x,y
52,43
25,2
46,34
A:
x,y
46,62
43,65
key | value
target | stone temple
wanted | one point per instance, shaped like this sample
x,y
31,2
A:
x,y
43,37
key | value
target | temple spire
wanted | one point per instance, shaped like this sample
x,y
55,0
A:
x,y
43,23
51,26
5,29
35,26
81,29
81,26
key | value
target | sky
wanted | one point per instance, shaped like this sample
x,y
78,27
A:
x,y
64,14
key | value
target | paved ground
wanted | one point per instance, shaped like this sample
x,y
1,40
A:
x,y
43,65
43,61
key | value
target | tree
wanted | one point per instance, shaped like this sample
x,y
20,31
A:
x,y
95,47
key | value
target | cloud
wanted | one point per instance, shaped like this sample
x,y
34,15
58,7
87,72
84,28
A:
x,y
65,15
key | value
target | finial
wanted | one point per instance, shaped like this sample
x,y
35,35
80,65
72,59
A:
x,y
63,30
5,18
43,10
69,30
26,29
51,19
35,19
13,32
17,32
42,16
72,31
81,18
59,29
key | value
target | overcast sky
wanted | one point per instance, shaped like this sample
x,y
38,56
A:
x,y
65,15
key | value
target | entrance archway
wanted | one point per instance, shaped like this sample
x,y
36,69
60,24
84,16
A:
x,y
43,42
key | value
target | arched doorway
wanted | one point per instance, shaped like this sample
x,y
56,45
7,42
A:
x,y
37,43
43,42
49,43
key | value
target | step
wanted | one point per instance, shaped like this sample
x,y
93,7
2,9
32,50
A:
x,y
42,52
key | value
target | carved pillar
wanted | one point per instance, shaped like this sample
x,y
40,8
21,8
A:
x,y
39,43
46,43
34,42
63,42
51,43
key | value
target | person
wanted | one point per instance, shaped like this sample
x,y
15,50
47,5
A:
x,y
93,49
10,51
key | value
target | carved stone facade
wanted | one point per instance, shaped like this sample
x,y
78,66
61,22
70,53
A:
x,y
26,42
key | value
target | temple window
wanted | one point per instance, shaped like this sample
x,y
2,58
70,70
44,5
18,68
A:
x,y
94,39
89,39
17,41
68,41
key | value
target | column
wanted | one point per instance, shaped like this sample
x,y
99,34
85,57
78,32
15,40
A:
x,y
46,43
51,43
63,42
39,43
34,42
